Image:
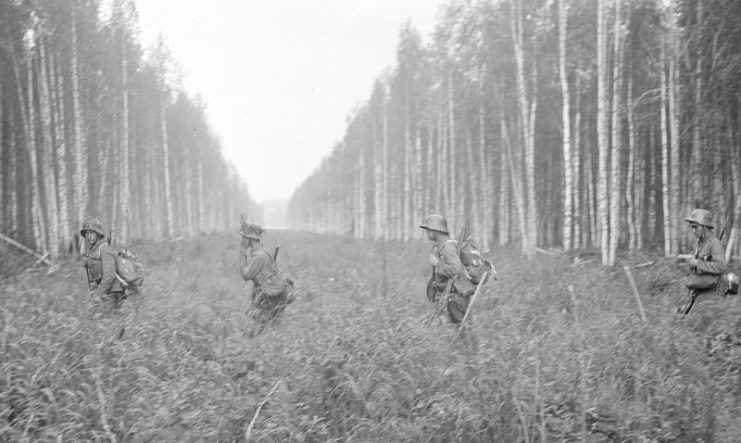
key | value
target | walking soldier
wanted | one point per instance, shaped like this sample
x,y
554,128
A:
x,y
448,285
267,289
100,265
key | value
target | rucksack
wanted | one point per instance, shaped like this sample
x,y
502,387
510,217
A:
x,y
129,271
476,265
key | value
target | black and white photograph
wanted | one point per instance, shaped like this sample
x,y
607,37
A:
x,y
320,221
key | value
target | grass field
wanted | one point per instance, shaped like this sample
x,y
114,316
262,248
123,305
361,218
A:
x,y
357,356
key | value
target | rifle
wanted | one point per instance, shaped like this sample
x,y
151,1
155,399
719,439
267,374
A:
x,y
275,253
693,293
442,301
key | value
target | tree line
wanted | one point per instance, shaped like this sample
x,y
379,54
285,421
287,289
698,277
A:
x,y
574,124
92,124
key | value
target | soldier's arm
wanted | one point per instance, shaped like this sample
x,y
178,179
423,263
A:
x,y
108,262
252,266
717,265
450,263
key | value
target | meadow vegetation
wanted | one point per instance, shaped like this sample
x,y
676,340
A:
x,y
358,357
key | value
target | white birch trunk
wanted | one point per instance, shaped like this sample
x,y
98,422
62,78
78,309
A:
x,y
80,181
568,172
60,156
125,181
615,158
485,191
665,180
169,223
602,192
47,156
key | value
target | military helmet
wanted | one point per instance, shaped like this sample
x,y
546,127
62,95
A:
x,y
92,224
435,222
732,281
702,217
252,230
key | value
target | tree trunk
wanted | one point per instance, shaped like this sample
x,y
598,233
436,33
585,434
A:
x,y
125,181
616,136
47,156
485,190
630,183
527,120
169,221
517,188
674,178
60,158
568,172
80,181
665,176
602,141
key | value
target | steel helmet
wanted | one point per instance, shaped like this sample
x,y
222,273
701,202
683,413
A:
x,y
435,222
92,224
732,281
252,230
701,217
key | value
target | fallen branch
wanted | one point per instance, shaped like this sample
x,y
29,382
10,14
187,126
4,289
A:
x,y
543,251
636,293
26,249
643,265
257,412
43,257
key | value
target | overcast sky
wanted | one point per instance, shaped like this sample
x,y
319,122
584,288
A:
x,y
279,77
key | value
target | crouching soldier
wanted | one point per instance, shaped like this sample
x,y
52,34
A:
x,y
446,265
100,265
707,264
267,289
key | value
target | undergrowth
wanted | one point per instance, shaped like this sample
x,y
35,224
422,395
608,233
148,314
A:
x,y
358,356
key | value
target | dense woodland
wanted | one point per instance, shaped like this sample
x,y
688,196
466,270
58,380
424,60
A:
x,y
574,124
92,124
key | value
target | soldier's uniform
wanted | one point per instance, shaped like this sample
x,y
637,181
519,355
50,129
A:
x,y
100,264
703,279
447,265
267,289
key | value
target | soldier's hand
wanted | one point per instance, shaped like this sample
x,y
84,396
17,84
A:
x,y
434,260
692,262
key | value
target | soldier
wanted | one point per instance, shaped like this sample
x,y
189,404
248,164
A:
x,y
100,264
708,262
446,265
267,289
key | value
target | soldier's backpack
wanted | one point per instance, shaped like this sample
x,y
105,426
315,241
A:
x,y
476,265
129,271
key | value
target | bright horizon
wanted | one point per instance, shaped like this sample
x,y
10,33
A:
x,y
280,78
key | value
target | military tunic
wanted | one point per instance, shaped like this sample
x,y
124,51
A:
x,y
448,266
257,265
101,264
711,261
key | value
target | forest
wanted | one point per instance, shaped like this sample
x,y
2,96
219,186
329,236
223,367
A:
x,y
570,124
94,125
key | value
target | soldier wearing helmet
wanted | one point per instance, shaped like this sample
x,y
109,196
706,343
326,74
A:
x,y
446,265
266,288
100,264
708,262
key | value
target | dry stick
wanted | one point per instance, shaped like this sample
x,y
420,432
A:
x,y
101,400
25,249
582,364
473,299
637,294
257,412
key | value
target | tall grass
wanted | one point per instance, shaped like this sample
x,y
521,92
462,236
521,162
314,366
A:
x,y
354,361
